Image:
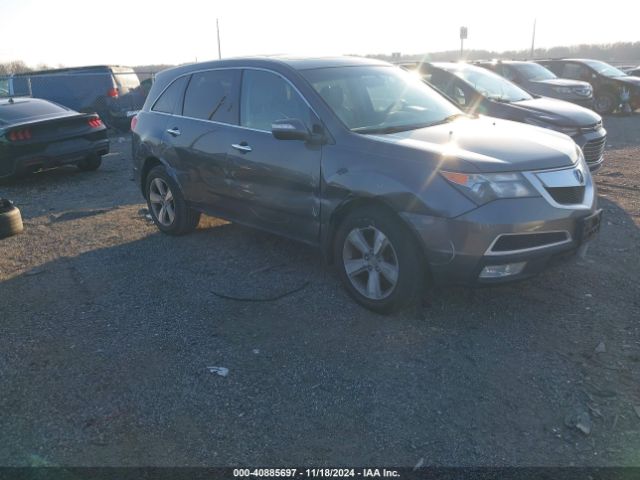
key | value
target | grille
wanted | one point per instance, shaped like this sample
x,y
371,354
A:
x,y
509,242
593,150
566,195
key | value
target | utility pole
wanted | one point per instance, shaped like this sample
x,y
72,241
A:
x,y
533,38
218,30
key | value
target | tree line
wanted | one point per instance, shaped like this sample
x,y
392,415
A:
x,y
617,53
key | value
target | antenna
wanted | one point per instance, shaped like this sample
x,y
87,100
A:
x,y
218,30
533,37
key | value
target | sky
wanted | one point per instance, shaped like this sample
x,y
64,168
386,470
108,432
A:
x,y
142,32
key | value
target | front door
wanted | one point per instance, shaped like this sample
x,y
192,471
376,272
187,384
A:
x,y
276,183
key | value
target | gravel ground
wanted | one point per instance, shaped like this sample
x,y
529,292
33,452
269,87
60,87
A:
x,y
108,329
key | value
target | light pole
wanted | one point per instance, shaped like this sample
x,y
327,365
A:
x,y
463,36
218,30
533,37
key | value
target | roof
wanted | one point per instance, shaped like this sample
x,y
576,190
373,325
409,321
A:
x,y
73,69
297,63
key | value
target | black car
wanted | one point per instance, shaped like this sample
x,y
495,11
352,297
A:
x,y
112,91
392,180
536,79
610,85
479,91
36,134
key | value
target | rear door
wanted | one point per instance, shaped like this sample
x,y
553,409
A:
x,y
275,182
198,135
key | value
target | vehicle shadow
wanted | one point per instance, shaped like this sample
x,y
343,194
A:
x,y
67,188
111,348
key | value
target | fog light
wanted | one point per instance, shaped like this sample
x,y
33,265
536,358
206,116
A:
x,y
499,271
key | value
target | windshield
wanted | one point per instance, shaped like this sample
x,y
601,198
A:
x,y
380,99
489,84
534,72
605,69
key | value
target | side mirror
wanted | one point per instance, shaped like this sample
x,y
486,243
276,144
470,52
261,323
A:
x,y
290,129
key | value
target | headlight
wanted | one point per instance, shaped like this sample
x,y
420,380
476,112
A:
x,y
563,90
571,131
485,187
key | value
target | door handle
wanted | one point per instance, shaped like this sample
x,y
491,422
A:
x,y
242,147
175,131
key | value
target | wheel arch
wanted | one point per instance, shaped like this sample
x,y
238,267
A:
x,y
356,202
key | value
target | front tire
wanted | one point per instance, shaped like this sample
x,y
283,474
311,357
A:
x,y
605,103
379,261
167,205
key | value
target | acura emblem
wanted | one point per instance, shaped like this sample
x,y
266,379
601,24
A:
x,y
579,176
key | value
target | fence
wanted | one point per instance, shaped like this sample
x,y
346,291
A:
x,y
113,92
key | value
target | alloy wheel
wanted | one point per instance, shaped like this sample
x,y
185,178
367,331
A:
x,y
162,202
370,262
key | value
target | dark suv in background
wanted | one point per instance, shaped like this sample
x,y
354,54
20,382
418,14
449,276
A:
x,y
388,177
536,79
479,91
111,91
608,82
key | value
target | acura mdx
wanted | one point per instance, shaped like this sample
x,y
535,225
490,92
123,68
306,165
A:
x,y
396,185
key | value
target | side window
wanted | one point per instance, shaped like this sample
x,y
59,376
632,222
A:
x,y
451,86
508,73
574,71
169,100
212,96
266,97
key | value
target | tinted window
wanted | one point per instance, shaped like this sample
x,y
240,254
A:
x,y
575,71
605,69
267,97
171,97
489,84
507,72
534,72
24,109
211,96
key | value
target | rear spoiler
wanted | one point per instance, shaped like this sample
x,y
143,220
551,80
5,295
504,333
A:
x,y
55,119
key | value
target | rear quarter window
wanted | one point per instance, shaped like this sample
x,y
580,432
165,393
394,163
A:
x,y
170,101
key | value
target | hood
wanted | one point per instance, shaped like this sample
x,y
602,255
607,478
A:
x,y
490,145
629,80
562,82
558,112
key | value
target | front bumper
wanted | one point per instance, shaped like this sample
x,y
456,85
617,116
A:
x,y
458,249
592,143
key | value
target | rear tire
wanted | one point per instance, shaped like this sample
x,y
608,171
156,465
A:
x,y
167,205
378,260
10,219
90,163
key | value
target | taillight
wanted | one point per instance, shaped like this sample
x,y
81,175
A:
x,y
19,135
112,92
134,121
95,123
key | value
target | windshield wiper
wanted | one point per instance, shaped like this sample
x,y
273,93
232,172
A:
x,y
405,128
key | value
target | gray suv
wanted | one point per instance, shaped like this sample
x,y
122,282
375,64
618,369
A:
x,y
396,185
536,79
